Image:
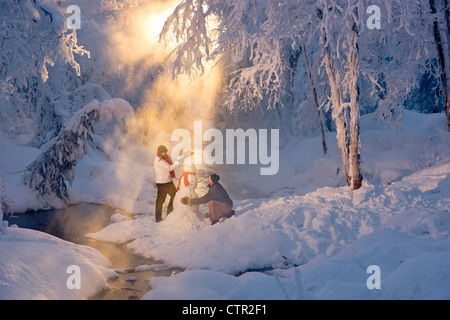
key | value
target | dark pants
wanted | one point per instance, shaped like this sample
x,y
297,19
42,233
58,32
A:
x,y
164,189
218,210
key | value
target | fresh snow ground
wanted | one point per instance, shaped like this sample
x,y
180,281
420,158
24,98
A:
x,y
34,265
411,268
314,237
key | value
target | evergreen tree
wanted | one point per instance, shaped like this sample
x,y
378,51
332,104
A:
x,y
48,174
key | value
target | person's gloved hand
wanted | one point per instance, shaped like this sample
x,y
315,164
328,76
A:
x,y
186,200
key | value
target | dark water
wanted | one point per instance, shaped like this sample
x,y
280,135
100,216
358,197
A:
x,y
72,223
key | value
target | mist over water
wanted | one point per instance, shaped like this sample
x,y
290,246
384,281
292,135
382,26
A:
x,y
164,103
72,223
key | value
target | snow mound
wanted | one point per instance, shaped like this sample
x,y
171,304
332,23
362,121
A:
x,y
288,231
34,265
411,268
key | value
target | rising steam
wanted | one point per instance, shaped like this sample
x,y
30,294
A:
x,y
167,104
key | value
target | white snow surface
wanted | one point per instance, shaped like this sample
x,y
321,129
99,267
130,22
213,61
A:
x,y
34,265
311,237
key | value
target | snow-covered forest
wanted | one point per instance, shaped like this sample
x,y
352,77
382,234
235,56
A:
x,y
358,91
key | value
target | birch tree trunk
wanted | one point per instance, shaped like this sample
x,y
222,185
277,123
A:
x,y
447,94
316,100
340,115
355,156
441,58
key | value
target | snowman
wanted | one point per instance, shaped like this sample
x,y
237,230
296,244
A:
x,y
187,183
186,217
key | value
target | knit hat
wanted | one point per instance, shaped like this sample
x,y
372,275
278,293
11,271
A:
x,y
162,149
214,178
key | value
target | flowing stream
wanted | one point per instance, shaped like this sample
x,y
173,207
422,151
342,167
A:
x,y
72,223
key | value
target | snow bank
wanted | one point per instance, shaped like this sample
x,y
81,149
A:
x,y
420,142
411,268
296,229
34,265
14,159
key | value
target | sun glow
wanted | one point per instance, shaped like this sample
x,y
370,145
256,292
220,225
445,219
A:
x,y
166,104
176,103
135,35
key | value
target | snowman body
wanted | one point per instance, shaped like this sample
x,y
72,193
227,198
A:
x,y
186,188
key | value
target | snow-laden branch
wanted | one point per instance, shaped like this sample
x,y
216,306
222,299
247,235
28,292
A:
x,y
254,37
38,67
188,28
4,209
244,35
34,36
48,173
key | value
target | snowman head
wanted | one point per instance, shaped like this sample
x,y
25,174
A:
x,y
188,180
189,168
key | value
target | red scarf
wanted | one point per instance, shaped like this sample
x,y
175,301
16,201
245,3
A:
x,y
186,182
169,161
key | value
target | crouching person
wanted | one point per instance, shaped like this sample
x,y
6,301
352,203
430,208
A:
x,y
220,204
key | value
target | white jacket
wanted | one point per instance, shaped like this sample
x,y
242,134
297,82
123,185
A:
x,y
162,170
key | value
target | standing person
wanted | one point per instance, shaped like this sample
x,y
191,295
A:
x,y
219,202
164,173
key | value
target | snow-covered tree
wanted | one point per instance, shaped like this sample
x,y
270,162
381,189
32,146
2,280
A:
x,y
48,174
441,33
339,29
254,37
316,100
2,227
256,40
34,43
390,58
395,57
207,30
4,201
4,208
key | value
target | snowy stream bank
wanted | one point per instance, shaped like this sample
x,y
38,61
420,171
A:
x,y
72,223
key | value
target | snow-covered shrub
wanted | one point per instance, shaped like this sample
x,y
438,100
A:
x,y
4,202
2,228
4,208
48,173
